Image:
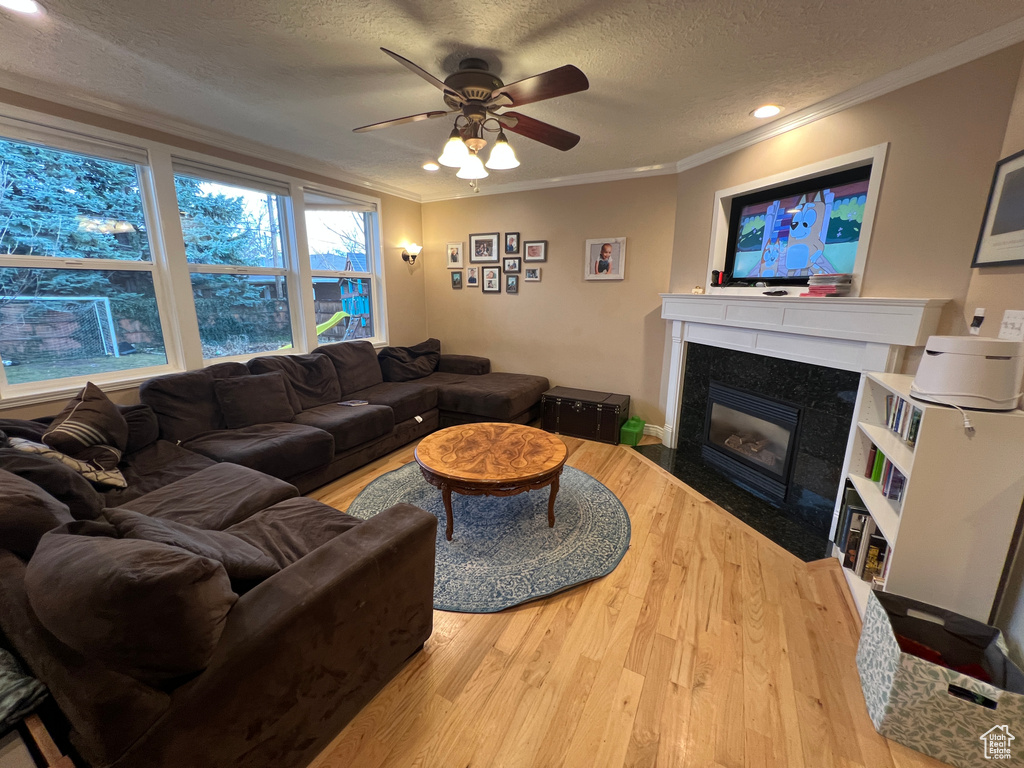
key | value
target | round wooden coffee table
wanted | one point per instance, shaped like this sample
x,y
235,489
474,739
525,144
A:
x,y
491,460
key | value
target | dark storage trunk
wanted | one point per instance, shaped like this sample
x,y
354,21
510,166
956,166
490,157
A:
x,y
582,413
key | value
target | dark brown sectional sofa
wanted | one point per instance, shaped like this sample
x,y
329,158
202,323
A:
x,y
207,615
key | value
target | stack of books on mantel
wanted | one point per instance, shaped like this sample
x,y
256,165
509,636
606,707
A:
x,y
829,285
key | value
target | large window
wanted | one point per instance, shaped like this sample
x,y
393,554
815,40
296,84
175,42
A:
x,y
236,255
121,259
77,293
345,267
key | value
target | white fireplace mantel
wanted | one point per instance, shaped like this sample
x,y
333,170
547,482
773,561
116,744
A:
x,y
853,334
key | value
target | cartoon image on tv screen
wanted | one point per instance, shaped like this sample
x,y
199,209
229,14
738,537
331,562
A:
x,y
810,234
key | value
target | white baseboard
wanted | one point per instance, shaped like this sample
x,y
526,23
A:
x,y
654,430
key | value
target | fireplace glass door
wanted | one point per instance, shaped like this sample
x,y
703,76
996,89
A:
x,y
750,438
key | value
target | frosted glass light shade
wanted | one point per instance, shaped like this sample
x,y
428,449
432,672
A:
x,y
455,151
473,168
502,157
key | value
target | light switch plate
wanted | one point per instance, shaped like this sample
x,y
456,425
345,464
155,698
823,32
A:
x,y
1012,327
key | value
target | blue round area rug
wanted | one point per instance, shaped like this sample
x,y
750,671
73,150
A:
x,y
502,552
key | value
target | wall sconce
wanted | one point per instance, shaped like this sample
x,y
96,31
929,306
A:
x,y
410,252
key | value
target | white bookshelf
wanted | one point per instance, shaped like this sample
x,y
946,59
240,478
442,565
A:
x,y
949,534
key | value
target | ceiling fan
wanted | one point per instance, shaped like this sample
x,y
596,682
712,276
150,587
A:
x,y
476,94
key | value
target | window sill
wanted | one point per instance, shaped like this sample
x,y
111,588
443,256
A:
x,y
61,392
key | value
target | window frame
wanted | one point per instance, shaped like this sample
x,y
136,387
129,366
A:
x,y
220,173
349,201
168,264
12,129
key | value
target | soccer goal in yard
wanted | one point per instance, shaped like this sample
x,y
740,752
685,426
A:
x,y
57,328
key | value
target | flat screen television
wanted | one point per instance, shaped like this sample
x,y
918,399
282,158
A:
x,y
785,234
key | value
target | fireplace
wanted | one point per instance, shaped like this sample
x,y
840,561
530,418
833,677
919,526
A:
x,y
750,438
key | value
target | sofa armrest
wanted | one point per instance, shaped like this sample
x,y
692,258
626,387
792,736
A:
x,y
306,649
469,365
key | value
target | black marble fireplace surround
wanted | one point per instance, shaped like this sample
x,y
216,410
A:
x,y
825,397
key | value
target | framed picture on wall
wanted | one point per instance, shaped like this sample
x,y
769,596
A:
x,y
484,248
491,280
513,266
472,277
605,259
454,251
531,275
456,279
1001,240
535,250
511,242
511,283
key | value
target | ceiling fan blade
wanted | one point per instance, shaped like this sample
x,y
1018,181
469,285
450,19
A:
x,y
547,85
539,131
400,121
425,75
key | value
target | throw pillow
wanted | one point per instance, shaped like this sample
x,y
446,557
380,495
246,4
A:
x,y
153,611
240,559
90,428
249,400
310,379
27,513
408,363
59,481
111,477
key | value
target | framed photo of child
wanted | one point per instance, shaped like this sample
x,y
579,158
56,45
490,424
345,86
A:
x,y
454,251
605,259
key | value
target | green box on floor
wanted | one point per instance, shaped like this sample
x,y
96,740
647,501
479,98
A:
x,y
632,431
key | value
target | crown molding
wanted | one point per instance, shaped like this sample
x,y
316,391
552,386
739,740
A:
x,y
562,181
967,51
38,89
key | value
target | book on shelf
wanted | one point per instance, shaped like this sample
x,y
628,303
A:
x,y
914,426
856,525
851,504
876,553
869,470
862,545
876,471
893,482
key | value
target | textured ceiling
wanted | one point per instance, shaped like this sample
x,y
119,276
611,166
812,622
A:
x,y
667,79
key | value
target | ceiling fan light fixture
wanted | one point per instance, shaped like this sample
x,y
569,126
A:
x,y
473,168
455,151
502,158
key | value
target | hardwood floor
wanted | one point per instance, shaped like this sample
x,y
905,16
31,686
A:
x,y
709,646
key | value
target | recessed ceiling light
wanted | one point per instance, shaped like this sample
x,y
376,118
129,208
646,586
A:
x,y
431,167
21,6
768,110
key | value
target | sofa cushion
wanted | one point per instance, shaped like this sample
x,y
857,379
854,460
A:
x,y
240,559
59,481
356,364
406,398
143,428
27,513
499,396
30,430
153,611
409,363
184,403
350,425
158,464
292,529
214,498
248,400
280,450
90,428
311,379
468,365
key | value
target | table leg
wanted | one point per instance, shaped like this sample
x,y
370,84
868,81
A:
x,y
551,503
446,494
